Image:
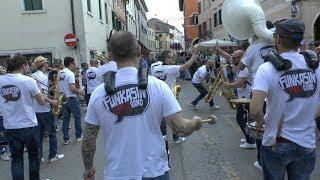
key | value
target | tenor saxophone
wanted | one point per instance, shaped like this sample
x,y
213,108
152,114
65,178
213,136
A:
x,y
227,93
214,87
59,96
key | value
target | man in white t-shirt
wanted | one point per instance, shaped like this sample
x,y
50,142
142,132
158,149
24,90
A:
x,y
67,86
292,101
106,67
92,79
18,93
130,119
242,84
168,72
44,114
199,82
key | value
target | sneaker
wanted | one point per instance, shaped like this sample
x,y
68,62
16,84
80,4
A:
x,y
42,160
193,106
243,140
180,140
79,138
257,165
66,142
5,157
165,138
248,146
215,107
56,158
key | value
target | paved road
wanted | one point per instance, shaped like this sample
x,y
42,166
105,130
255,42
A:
x,y
209,154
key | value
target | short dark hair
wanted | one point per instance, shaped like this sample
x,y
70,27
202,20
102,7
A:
x,y
16,63
269,24
123,45
164,55
290,43
67,61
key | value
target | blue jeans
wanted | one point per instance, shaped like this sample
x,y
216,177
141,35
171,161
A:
x,y
241,118
203,92
46,123
163,177
18,138
298,161
72,106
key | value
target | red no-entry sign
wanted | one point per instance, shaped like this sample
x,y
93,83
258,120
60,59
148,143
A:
x,y
70,40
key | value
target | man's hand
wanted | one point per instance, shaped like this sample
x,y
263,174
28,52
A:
x,y
259,124
225,84
54,102
89,174
198,122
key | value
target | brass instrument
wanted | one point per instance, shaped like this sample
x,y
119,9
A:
x,y
226,92
59,96
176,90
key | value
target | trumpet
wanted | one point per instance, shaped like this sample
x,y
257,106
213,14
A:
x,y
176,90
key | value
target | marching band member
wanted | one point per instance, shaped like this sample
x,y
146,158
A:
x,y
199,82
68,87
252,59
243,89
18,93
133,142
92,79
292,95
44,113
168,72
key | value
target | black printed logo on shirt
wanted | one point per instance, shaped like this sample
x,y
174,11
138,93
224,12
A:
x,y
91,75
161,75
265,51
298,83
10,93
62,76
128,101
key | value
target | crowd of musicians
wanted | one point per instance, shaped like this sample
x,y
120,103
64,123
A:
x,y
279,93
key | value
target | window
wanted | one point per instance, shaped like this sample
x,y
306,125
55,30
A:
x,y
106,13
215,17
31,5
220,19
100,10
89,6
199,7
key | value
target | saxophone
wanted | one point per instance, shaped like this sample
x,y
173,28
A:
x,y
59,96
176,90
226,92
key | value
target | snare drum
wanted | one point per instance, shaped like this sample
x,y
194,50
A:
x,y
253,131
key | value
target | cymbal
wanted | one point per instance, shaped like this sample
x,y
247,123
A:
x,y
241,100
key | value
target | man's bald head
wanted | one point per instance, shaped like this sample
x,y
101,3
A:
x,y
93,63
236,57
123,45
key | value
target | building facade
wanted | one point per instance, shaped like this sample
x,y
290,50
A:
x,y
39,27
211,25
119,15
153,43
190,13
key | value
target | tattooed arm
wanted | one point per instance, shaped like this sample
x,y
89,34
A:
x,y
183,127
89,147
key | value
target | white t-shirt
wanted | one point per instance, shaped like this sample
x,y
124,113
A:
x,y
154,65
130,121
42,82
167,73
67,77
200,74
110,66
16,101
294,93
92,79
253,56
245,91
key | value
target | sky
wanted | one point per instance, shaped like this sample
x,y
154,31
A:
x,y
166,10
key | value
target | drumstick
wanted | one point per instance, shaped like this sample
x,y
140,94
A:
x,y
211,120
